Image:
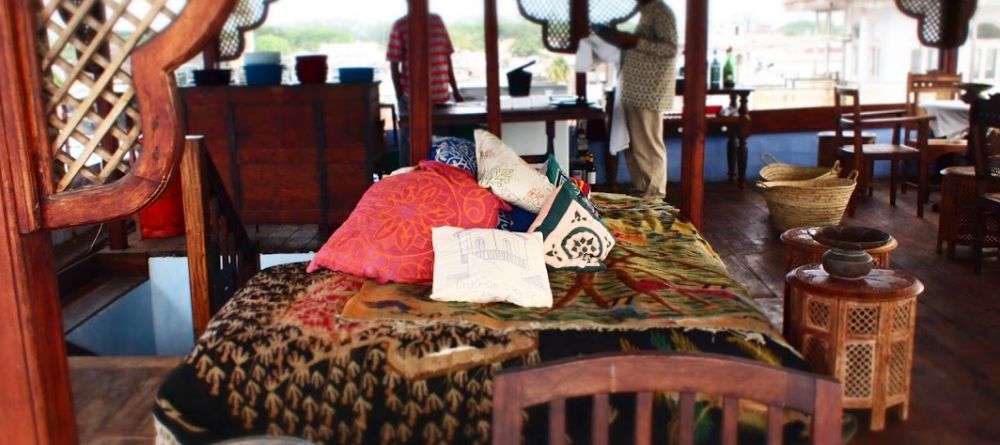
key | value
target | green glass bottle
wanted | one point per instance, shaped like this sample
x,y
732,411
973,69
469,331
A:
x,y
729,70
715,77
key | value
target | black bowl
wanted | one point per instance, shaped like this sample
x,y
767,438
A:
x,y
204,78
850,237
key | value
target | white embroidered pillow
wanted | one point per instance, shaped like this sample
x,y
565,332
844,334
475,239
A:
x,y
488,266
508,176
575,238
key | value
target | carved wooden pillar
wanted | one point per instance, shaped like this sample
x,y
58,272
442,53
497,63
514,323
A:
x,y
35,400
693,150
420,83
491,31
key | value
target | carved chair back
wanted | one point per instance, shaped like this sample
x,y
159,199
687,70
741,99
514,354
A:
x,y
984,138
646,373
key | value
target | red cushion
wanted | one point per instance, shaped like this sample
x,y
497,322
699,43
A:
x,y
388,235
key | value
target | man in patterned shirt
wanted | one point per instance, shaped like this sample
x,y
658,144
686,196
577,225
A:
x,y
647,90
439,49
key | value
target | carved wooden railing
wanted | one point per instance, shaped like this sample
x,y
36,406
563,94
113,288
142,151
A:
x,y
221,256
106,69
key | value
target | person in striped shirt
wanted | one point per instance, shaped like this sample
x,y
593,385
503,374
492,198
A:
x,y
443,85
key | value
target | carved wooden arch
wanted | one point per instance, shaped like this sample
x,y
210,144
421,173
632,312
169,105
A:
x,y
153,65
942,24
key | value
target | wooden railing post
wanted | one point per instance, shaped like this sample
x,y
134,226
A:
x,y
196,214
221,256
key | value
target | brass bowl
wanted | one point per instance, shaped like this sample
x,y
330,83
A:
x,y
850,237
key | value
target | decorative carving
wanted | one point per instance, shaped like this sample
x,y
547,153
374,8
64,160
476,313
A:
x,y
942,24
556,18
107,69
85,58
246,16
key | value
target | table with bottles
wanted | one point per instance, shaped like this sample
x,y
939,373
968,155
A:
x,y
732,121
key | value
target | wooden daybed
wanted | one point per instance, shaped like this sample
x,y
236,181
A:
x,y
34,384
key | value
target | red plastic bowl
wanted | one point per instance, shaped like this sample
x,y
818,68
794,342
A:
x,y
713,109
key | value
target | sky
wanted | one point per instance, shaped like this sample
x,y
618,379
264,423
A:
x,y
290,12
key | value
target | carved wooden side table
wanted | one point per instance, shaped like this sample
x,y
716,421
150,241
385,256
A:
x,y
802,249
860,332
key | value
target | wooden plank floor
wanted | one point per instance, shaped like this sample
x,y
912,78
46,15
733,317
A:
x,y
270,238
113,397
955,393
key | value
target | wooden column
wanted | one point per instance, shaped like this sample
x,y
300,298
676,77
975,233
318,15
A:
x,y
693,150
491,30
420,82
35,399
948,60
580,28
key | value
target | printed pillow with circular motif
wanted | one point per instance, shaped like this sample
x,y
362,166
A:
x,y
388,235
454,151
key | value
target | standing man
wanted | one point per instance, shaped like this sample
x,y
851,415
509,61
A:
x,y
647,91
440,51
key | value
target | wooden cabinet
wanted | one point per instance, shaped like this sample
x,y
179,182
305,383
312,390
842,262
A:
x,y
301,154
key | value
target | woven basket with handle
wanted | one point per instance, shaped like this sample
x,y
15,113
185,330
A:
x,y
816,202
774,170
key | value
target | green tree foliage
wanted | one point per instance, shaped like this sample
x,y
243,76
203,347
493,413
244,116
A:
x,y
271,42
558,71
305,37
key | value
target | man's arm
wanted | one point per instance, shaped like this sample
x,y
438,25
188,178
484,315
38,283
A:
x,y
394,69
454,83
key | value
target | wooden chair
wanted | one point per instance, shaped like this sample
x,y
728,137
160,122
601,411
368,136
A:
x,y
938,86
646,373
984,135
847,108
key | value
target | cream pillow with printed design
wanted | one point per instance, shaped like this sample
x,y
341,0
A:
x,y
508,176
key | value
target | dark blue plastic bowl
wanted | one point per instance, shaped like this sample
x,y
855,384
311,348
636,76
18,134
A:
x,y
357,75
259,75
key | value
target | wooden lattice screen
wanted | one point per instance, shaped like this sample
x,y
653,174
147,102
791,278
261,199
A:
x,y
85,48
246,16
943,24
556,18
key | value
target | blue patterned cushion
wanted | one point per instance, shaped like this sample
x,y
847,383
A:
x,y
455,151
516,220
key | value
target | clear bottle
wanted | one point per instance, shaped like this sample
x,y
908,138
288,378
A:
x,y
591,169
715,70
729,70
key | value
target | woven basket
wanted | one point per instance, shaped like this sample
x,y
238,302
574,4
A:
x,y
817,202
776,171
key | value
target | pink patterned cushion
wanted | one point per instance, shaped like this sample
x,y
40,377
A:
x,y
388,236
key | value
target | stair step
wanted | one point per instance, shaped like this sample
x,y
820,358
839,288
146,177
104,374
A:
x,y
95,299
92,284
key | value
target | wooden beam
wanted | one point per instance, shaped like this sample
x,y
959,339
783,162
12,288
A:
x,y
491,30
418,69
35,399
693,150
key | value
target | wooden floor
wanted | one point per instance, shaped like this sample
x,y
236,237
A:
x,y
955,392
270,238
114,397
955,395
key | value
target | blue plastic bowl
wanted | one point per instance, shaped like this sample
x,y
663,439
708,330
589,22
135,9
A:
x,y
260,75
357,75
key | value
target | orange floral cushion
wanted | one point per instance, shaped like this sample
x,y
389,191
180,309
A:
x,y
388,235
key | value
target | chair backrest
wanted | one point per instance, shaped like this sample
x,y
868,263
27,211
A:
x,y
933,84
984,137
847,104
645,373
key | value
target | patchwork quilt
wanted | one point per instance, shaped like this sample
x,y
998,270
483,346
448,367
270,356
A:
x,y
335,358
